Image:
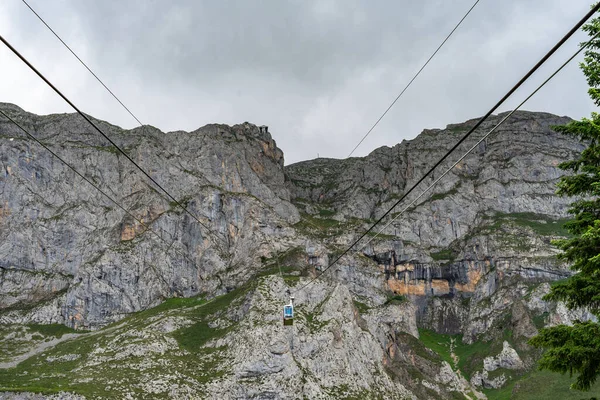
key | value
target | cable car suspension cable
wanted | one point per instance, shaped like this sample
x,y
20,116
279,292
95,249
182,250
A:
x,y
82,63
481,120
413,79
478,143
119,149
146,226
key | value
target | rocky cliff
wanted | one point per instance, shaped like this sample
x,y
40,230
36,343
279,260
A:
x,y
62,238
438,306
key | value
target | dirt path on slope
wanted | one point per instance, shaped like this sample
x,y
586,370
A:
x,y
38,349
41,347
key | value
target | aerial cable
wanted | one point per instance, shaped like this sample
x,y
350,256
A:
x,y
169,154
146,226
277,254
481,120
277,259
288,309
82,63
478,142
177,202
412,80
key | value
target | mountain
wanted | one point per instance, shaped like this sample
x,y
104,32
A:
x,y
169,303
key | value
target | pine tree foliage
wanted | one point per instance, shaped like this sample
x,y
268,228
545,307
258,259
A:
x,y
576,349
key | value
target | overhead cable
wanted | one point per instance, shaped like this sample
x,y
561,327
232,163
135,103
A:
x,y
82,63
413,79
91,72
484,137
95,126
115,202
479,122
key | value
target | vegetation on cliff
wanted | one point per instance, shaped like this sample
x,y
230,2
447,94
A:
x,y
576,349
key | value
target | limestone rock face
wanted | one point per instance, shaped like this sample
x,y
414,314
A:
x,y
322,352
472,248
511,171
59,235
508,359
473,257
482,379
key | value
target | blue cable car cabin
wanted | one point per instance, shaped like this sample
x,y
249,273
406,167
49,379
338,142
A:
x,y
288,314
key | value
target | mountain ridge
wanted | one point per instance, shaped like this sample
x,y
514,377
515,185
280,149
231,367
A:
x,y
441,305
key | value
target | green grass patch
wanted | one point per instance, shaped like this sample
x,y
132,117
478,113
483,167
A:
x,y
438,343
361,307
541,224
309,222
470,356
507,373
457,128
37,374
544,385
170,304
109,149
441,196
420,348
396,299
62,367
56,330
323,212
444,255
382,236
322,227
504,393
194,337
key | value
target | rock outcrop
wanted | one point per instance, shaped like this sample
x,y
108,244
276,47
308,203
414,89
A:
x,y
473,258
59,235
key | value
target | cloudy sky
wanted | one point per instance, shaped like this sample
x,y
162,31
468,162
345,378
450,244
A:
x,y
319,73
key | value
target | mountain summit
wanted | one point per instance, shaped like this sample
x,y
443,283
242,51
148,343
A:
x,y
96,302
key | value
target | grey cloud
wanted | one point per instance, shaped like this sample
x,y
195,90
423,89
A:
x,y
319,73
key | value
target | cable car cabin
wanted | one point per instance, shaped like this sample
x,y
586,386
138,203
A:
x,y
288,314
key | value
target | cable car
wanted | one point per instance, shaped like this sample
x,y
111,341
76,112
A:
x,y
288,313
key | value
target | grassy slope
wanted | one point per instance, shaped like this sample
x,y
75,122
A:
x,y
92,366
112,362
536,385
542,225
542,385
17,340
201,363
466,353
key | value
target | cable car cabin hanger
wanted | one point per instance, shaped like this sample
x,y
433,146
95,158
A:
x,y
288,313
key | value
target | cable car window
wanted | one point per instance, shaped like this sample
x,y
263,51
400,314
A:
x,y
288,311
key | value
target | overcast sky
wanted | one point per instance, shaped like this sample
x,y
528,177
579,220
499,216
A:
x,y
319,73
